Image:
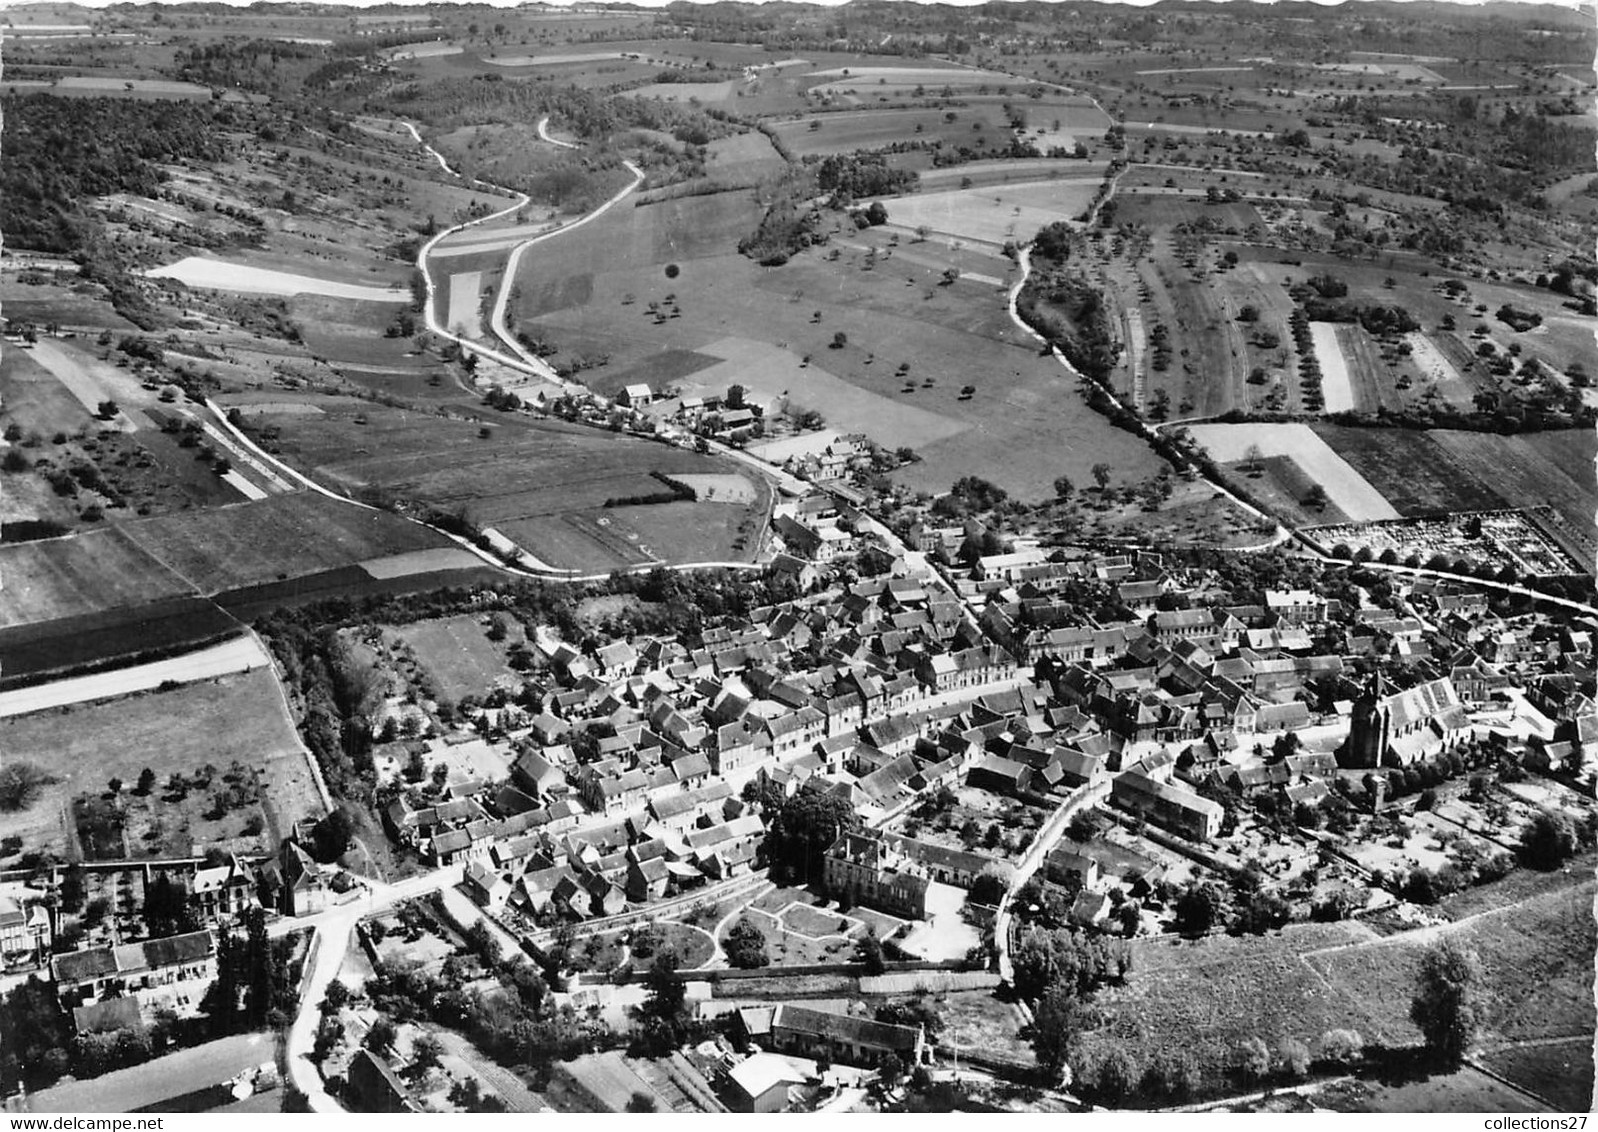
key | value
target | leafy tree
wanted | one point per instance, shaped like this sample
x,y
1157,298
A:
x,y
1446,1005
917,1011
746,945
1110,1074
426,1053
381,1035
1295,1058
20,785
1057,1024
114,786
642,1102
869,952
839,341
989,887
1253,1060
1548,841
146,782
1198,908
805,829
1101,475
166,908
735,396
1342,1046
890,1069
1063,487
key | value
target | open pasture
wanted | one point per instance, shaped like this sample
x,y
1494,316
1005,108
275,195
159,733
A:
x,y
232,718
1559,1072
1536,956
858,130
742,157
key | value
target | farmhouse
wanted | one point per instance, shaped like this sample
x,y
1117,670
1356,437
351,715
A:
x,y
635,396
760,1083
843,1037
1171,806
168,973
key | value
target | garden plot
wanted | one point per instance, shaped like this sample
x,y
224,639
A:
x,y
219,275
1351,492
465,304
995,215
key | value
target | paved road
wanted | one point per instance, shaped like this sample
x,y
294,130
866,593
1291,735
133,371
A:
x,y
237,655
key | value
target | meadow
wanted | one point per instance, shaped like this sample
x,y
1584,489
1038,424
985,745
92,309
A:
x,y
543,484
240,718
457,653
885,294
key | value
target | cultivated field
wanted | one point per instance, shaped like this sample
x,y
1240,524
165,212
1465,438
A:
x,y
1443,470
238,718
1347,489
542,484
996,214
215,274
283,537
83,573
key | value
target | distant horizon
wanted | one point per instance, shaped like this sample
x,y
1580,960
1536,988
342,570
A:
x,y
5,5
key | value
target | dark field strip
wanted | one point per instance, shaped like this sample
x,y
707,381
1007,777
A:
x,y
31,654
349,582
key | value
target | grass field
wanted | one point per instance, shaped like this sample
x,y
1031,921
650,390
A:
x,y
543,484
1207,996
1560,1072
233,718
1536,958
458,653
84,573
1024,424
1465,1090
272,539
163,1079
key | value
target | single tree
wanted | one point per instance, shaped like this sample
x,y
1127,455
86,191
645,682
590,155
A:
x,y
1446,1006
868,952
746,945
1101,475
1057,1023
1063,487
